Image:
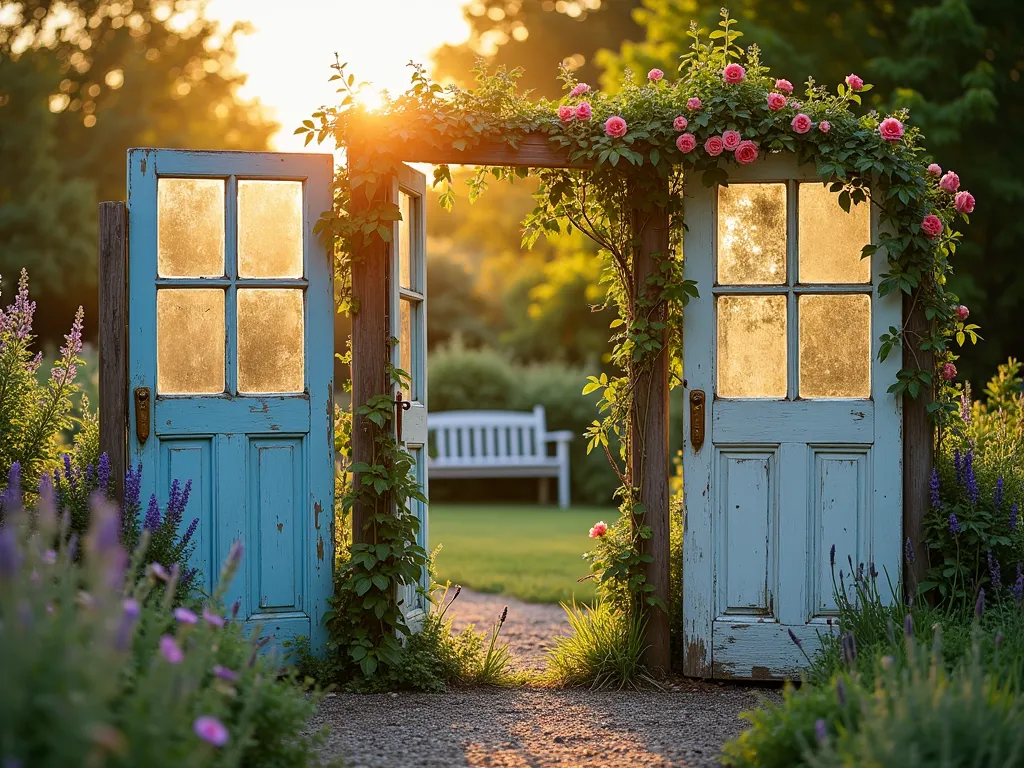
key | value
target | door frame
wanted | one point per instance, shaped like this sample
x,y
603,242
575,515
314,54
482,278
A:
x,y
699,543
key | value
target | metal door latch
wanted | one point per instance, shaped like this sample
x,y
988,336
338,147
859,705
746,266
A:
x,y
401,405
142,413
697,419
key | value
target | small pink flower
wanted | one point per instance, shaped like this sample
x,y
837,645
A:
x,y
615,126
579,90
932,226
212,619
950,182
854,82
714,146
223,673
211,730
693,103
731,140
964,202
891,129
962,313
583,110
795,104
746,152
734,73
565,113
824,126
686,142
776,101
680,123
655,75
159,571
185,616
170,651
784,85
948,371
801,123
599,530
935,170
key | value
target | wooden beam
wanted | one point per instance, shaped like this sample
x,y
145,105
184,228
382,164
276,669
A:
x,y
649,454
918,445
113,344
370,336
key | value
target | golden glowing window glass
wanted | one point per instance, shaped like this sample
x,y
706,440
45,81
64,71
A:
x,y
405,276
752,234
190,227
835,346
190,341
752,346
270,340
269,228
405,346
831,239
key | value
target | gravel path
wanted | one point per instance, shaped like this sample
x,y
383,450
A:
x,y
684,725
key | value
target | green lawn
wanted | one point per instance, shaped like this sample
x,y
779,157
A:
x,y
531,552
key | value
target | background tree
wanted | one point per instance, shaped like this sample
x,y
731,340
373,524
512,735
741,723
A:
x,y
81,81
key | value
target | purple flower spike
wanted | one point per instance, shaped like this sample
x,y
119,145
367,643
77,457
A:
x,y
213,619
795,639
998,497
994,571
841,691
236,552
1018,586
821,732
832,556
123,636
979,606
190,532
235,607
908,626
185,616
103,472
1014,515
10,557
11,499
972,481
933,487
225,674
908,552
958,466
152,521
954,524
132,488
170,651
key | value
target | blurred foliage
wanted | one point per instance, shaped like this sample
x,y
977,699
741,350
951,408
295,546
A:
x,y
81,81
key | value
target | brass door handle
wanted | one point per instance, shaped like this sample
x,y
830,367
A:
x,y
697,419
142,413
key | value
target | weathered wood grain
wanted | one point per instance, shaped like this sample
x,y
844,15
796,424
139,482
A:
x,y
918,444
113,275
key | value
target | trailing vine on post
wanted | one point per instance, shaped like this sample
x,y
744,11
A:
x,y
635,149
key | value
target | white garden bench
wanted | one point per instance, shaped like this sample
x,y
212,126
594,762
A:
x,y
467,444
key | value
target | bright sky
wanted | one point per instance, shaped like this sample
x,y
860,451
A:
x,y
288,56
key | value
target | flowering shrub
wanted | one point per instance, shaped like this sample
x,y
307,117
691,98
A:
x,y
133,682
33,414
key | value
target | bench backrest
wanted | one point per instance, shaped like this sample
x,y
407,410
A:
x,y
487,437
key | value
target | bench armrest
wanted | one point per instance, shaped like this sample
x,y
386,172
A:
x,y
561,436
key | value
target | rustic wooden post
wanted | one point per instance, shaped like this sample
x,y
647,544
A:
x,y
113,347
370,334
918,444
649,455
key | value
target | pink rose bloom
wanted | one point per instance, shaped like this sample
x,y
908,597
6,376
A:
x,y
962,313
824,126
655,75
598,530
211,730
686,142
950,182
932,226
891,129
948,371
801,123
615,126
680,123
964,202
854,82
565,113
583,110
693,103
776,101
784,85
185,616
935,170
734,73
714,146
746,152
579,90
170,651
731,140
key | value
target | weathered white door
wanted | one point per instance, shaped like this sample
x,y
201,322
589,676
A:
x,y
409,326
792,443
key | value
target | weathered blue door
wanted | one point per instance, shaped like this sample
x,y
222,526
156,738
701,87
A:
x,y
793,442
231,349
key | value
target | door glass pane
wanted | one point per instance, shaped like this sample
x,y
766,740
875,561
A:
x,y
270,340
751,346
405,342
831,239
269,228
835,346
190,227
190,341
405,239
752,234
